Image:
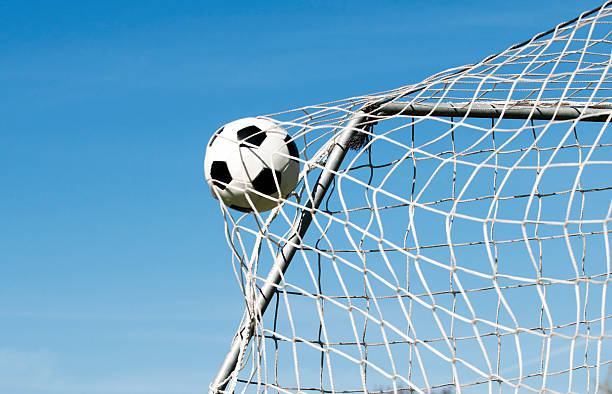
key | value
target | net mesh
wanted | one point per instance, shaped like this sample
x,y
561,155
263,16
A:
x,y
450,254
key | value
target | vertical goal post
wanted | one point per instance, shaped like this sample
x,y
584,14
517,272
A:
x,y
526,258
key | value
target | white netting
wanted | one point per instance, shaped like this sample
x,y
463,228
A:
x,y
449,254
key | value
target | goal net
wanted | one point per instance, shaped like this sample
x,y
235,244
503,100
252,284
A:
x,y
447,236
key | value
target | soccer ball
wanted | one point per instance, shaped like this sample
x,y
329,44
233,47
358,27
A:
x,y
251,159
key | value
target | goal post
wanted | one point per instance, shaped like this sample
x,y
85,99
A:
x,y
459,234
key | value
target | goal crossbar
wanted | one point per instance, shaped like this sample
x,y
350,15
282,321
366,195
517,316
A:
x,y
593,113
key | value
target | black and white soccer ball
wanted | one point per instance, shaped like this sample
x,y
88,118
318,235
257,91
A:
x,y
250,163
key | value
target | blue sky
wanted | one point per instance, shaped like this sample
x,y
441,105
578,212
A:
x,y
114,271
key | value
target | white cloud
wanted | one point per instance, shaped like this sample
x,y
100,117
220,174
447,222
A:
x,y
24,371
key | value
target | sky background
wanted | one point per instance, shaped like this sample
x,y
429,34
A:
x,y
114,271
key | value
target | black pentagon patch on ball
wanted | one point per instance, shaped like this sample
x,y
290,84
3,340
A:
x,y
251,135
215,136
265,183
220,174
293,150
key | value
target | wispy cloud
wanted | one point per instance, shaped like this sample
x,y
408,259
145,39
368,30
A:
x,y
40,371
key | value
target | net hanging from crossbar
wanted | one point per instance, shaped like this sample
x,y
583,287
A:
x,y
463,244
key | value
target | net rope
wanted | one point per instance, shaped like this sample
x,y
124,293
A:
x,y
450,254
